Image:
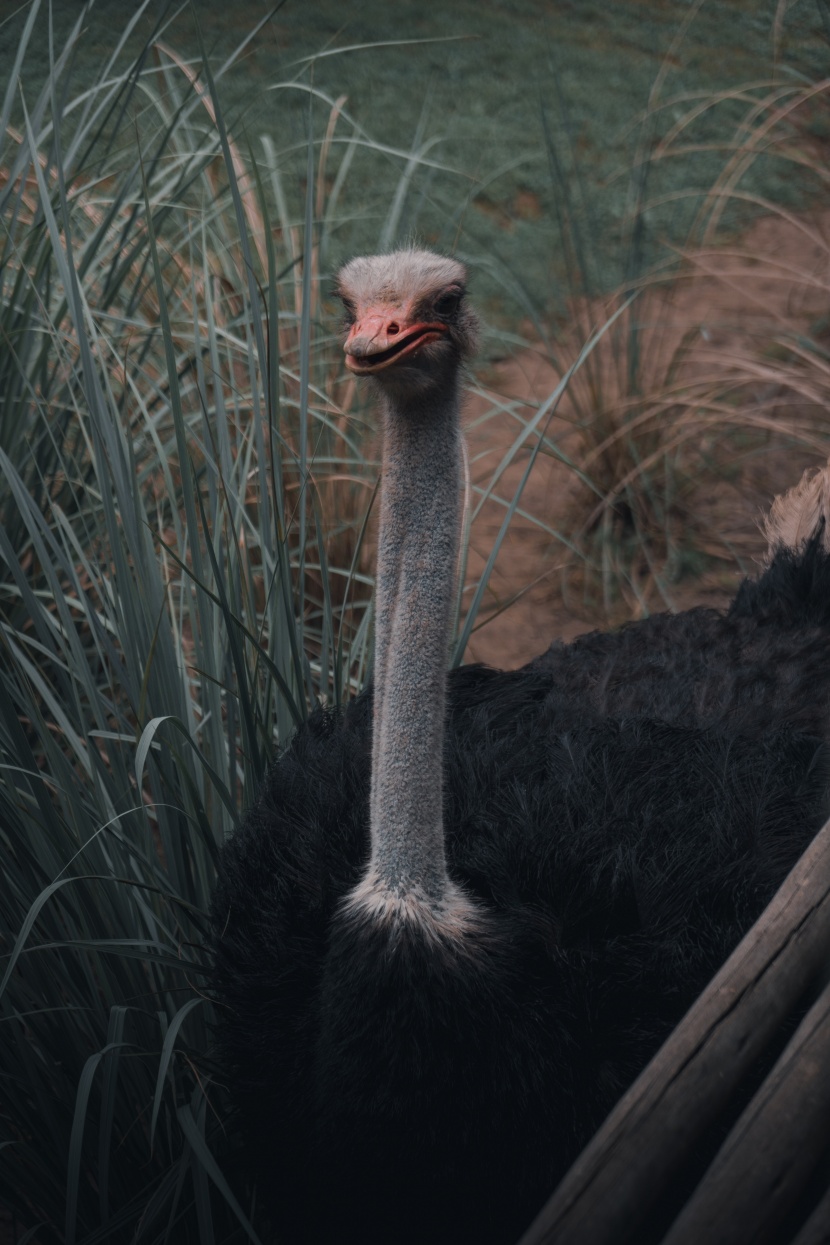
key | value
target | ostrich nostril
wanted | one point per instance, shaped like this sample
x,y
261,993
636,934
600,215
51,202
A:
x,y
393,328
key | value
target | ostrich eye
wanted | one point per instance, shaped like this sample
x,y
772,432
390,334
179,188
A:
x,y
448,302
349,313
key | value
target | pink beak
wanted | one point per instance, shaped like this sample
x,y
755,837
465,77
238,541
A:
x,y
382,335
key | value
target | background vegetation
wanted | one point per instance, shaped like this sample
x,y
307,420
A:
x,y
477,94
187,476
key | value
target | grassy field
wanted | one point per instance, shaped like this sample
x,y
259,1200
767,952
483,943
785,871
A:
x,y
187,476
509,115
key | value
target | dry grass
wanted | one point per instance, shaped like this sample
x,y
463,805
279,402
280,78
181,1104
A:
x,y
719,366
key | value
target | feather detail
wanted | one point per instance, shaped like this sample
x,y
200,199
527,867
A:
x,y
801,514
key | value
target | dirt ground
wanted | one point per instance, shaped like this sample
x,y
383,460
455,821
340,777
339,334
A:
x,y
732,304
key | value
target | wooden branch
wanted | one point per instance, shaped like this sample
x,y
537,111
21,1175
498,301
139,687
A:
x,y
608,1192
770,1154
816,1231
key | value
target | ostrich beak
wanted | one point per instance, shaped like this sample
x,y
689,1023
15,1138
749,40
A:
x,y
383,335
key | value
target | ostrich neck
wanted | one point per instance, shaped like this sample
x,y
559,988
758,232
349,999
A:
x,y
416,571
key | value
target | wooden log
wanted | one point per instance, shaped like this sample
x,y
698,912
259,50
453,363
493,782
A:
x,y
816,1231
605,1197
767,1159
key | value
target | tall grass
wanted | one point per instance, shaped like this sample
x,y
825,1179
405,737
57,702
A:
x,y
171,604
661,412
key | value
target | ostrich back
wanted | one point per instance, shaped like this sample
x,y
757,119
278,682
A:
x,y
762,663
390,1088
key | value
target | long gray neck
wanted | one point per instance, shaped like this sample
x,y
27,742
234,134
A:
x,y
416,571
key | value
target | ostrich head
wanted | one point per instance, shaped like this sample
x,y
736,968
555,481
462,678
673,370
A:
x,y
407,322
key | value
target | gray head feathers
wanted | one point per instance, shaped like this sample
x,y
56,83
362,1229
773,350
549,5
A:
x,y
402,275
407,322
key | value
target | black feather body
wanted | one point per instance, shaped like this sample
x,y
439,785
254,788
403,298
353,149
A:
x,y
391,1087
762,663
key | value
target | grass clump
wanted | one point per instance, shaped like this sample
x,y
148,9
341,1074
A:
x,y
171,602
685,387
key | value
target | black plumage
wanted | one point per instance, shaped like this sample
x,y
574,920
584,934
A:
x,y
416,1049
762,663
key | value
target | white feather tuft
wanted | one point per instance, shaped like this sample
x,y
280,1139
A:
x,y
801,513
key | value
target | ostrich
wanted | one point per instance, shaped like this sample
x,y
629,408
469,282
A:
x,y
462,915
